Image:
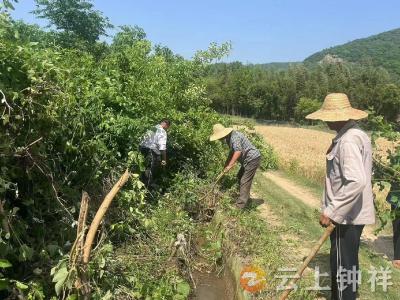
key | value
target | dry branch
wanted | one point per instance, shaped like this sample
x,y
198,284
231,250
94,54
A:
x,y
100,214
3,216
76,251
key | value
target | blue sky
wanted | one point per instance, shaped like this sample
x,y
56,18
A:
x,y
260,31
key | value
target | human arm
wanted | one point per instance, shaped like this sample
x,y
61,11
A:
x,y
232,161
163,157
228,159
162,146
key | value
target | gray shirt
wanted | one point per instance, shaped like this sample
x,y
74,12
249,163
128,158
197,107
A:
x,y
348,197
239,142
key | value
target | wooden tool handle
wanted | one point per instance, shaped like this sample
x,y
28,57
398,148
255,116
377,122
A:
x,y
312,254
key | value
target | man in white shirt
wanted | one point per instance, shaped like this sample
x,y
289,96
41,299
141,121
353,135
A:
x,y
154,149
348,200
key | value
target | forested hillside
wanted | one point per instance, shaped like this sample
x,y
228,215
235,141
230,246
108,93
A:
x,y
284,95
381,50
365,69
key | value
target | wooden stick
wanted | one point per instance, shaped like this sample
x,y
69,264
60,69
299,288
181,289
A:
x,y
76,250
312,254
82,218
3,215
87,248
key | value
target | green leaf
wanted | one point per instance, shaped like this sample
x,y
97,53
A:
x,y
61,274
4,263
183,288
25,253
59,287
3,284
59,278
21,285
107,296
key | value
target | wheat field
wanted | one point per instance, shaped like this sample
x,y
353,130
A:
x,y
302,151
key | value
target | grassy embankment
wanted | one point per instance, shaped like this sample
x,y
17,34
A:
x,y
295,230
301,221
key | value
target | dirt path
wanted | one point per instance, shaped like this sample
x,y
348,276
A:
x,y
381,244
290,239
292,188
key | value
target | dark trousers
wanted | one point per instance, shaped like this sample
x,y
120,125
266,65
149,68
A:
x,y
152,163
345,243
396,234
245,179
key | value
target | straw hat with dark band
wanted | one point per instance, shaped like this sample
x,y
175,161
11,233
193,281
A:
x,y
337,107
219,132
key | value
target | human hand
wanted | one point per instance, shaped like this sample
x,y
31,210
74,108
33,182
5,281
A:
x,y
163,163
228,168
324,221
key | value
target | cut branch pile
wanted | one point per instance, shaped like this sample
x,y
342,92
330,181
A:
x,y
82,247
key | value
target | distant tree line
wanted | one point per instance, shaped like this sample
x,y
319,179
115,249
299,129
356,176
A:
x,y
256,91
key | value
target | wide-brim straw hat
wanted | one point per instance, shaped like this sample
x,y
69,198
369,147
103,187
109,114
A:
x,y
219,132
337,107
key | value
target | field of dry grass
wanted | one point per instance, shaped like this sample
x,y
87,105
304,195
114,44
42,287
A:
x,y
302,151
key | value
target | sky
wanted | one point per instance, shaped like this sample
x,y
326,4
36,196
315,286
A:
x,y
260,31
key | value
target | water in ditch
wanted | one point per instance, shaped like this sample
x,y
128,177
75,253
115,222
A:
x,y
210,286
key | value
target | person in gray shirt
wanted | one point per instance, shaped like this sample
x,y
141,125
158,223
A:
x,y
242,150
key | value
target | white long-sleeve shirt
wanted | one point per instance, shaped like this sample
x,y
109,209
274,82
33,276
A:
x,y
348,197
155,139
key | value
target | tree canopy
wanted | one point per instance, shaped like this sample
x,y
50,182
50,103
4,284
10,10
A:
x,y
77,17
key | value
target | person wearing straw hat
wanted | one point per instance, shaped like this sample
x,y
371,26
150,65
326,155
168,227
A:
x,y
348,198
242,150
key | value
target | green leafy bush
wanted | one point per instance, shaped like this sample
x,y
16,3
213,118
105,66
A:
x,y
71,120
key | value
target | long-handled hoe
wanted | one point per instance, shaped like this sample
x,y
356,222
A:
x,y
312,254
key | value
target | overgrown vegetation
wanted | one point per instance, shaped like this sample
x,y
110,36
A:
x,y
71,120
387,168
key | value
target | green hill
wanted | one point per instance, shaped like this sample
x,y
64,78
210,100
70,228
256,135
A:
x,y
381,50
277,65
